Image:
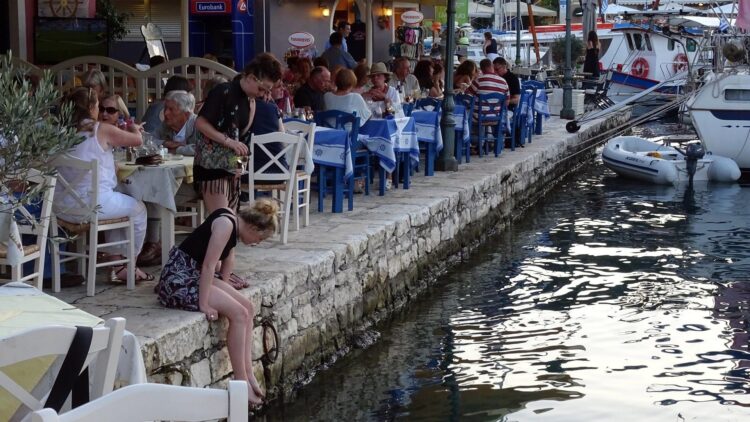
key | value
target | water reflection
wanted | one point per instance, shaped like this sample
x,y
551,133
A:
x,y
608,300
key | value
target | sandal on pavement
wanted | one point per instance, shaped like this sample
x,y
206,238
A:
x,y
115,277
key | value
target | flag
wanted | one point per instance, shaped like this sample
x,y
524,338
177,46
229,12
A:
x,y
723,24
603,6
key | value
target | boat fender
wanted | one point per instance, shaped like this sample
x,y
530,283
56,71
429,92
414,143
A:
x,y
680,63
572,127
639,68
723,169
654,154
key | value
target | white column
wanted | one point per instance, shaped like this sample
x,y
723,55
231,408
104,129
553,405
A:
x,y
185,33
18,29
368,21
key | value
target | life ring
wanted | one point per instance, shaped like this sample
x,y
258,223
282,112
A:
x,y
639,68
680,63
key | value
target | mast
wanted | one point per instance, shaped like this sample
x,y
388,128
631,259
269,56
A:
x,y
532,29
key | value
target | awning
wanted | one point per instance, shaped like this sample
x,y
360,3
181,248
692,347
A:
x,y
616,9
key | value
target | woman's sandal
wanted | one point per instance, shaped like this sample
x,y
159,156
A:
x,y
237,282
114,275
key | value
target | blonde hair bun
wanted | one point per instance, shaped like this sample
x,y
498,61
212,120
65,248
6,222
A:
x,y
266,206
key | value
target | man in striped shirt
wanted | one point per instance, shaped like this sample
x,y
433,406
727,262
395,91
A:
x,y
487,83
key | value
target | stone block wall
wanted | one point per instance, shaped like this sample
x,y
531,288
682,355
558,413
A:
x,y
346,272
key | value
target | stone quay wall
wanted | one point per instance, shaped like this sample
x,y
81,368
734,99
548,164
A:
x,y
345,272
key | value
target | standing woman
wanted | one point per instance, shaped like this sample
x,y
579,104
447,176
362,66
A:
x,y
591,62
224,131
187,280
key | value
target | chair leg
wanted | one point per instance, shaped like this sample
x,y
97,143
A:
x,y
16,273
55,256
39,268
130,284
80,247
350,192
295,205
306,199
91,270
338,190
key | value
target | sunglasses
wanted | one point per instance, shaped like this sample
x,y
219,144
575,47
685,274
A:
x,y
108,110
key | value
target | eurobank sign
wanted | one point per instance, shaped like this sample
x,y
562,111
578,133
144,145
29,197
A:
x,y
211,7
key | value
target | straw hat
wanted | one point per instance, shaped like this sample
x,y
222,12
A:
x,y
379,68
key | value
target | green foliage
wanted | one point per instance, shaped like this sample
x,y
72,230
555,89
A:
x,y
557,50
30,134
116,21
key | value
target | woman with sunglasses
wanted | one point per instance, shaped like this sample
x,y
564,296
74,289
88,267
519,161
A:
x,y
224,131
112,110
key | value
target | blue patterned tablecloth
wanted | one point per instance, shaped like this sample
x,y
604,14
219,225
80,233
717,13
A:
x,y
428,127
387,137
332,149
461,117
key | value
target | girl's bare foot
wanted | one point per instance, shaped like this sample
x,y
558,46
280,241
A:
x,y
253,398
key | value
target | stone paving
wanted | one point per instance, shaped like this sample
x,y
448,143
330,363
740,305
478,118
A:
x,y
344,271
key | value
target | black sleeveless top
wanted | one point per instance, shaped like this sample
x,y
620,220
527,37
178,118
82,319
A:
x,y
196,243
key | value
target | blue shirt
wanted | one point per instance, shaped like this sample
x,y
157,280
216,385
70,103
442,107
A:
x,y
343,45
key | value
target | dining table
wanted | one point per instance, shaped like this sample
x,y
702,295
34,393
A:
x,y
332,150
393,141
158,184
24,307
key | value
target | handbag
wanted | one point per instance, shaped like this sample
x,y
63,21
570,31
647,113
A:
x,y
210,155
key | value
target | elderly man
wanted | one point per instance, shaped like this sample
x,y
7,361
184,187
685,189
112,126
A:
x,y
404,82
178,129
311,93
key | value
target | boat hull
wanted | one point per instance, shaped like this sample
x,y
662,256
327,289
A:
x,y
638,158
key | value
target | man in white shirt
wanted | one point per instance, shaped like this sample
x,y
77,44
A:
x,y
404,82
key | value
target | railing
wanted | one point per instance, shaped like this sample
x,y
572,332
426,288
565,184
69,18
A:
x,y
137,88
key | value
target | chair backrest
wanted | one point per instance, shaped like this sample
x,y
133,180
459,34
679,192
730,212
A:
x,y
38,225
77,187
274,170
429,104
55,340
490,107
146,402
532,85
307,129
337,119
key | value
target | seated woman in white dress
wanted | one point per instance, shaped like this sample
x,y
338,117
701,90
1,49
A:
x,y
343,99
381,91
98,143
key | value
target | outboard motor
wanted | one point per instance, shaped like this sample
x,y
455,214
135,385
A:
x,y
693,153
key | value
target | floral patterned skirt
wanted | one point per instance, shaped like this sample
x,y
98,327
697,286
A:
x,y
178,285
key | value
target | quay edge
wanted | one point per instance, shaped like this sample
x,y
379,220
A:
x,y
345,272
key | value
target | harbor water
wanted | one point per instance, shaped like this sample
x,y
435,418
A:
x,y
607,300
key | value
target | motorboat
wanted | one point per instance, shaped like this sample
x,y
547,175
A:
x,y
642,159
720,112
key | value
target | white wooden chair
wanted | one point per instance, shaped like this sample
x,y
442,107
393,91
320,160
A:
x,y
55,340
284,179
37,226
302,187
147,402
88,229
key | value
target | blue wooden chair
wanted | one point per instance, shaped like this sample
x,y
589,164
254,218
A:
x,y
491,113
430,148
336,119
519,128
429,104
535,86
464,148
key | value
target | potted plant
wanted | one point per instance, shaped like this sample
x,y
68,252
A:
x,y
557,51
31,136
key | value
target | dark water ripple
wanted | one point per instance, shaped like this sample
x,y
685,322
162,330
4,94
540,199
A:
x,y
609,300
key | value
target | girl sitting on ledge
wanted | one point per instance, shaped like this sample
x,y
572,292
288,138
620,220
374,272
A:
x,y
188,280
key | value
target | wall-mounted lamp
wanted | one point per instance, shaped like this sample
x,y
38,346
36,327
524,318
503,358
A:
x,y
385,10
324,9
